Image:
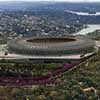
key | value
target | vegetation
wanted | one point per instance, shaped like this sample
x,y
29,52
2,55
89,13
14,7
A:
x,y
14,69
22,19
71,85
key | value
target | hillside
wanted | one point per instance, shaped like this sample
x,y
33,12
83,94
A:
x,y
81,83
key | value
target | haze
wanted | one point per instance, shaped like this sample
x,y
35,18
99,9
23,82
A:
x,y
58,0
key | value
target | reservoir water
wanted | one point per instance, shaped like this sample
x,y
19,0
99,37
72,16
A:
x,y
83,13
89,29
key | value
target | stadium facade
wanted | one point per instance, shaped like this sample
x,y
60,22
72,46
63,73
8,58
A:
x,y
46,46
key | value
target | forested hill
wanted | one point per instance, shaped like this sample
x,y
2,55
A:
x,y
22,5
84,83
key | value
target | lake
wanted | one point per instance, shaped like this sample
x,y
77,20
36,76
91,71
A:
x,y
89,29
83,13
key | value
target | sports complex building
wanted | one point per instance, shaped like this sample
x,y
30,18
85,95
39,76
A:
x,y
44,48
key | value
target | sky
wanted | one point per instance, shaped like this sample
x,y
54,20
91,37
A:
x,y
58,0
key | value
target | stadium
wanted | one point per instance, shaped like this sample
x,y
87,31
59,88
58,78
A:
x,y
51,46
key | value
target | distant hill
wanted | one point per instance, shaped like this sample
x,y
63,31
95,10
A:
x,y
21,5
56,10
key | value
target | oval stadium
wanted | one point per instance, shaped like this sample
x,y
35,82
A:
x,y
54,46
